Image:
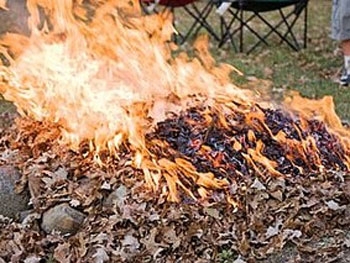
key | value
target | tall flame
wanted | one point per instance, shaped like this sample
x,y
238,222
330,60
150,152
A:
x,y
109,77
107,74
101,80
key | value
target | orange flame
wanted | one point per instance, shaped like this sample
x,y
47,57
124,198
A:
x,y
109,77
103,78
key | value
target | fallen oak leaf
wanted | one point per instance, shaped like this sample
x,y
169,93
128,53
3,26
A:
x,y
52,178
289,234
274,230
239,260
62,253
152,246
131,243
106,186
101,255
334,205
258,185
347,243
117,197
213,212
171,238
74,203
310,203
32,259
277,195
244,245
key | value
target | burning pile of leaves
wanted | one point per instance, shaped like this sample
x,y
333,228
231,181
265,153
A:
x,y
249,181
233,146
292,206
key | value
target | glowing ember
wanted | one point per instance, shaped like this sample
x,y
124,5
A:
x,y
110,77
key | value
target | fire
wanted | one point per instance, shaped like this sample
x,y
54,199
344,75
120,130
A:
x,y
110,77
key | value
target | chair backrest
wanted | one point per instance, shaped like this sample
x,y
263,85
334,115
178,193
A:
x,y
281,27
170,3
263,5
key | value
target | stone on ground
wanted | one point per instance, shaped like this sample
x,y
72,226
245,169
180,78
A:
x,y
62,218
11,202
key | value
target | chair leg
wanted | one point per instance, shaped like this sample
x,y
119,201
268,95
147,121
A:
x,y
241,31
299,8
200,17
305,23
257,35
225,29
289,30
273,29
243,23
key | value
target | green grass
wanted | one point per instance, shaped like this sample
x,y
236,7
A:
x,y
227,256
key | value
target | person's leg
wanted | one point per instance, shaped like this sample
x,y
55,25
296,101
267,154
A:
x,y
345,78
345,45
341,33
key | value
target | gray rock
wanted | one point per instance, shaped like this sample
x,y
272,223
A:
x,y
12,203
117,197
62,218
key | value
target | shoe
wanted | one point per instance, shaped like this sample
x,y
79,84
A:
x,y
344,79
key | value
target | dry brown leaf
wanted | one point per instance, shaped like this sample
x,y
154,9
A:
x,y
75,203
277,195
131,243
274,230
117,197
213,212
310,203
32,259
53,178
100,256
106,186
153,247
239,260
289,234
170,237
347,243
244,245
334,205
62,253
268,72
258,185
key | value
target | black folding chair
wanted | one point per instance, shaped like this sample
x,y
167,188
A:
x,y
242,14
197,11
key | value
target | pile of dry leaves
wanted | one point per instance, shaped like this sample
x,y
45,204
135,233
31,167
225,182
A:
x,y
291,219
